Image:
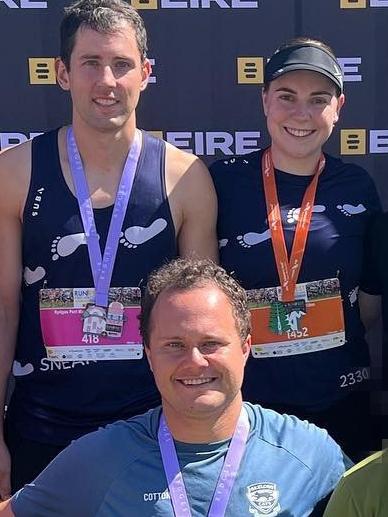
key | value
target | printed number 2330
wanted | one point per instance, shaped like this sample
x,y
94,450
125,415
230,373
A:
x,y
354,377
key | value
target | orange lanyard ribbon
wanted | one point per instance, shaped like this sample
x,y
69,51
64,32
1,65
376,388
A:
x,y
288,270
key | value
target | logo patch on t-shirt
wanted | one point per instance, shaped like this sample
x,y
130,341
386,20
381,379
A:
x,y
264,499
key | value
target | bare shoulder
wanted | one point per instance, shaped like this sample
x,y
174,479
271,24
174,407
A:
x,y
15,173
14,156
6,510
187,177
179,162
193,203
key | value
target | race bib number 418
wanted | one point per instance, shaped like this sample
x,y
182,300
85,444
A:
x,y
75,329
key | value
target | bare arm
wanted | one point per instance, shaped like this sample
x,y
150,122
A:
x,y
193,204
12,194
6,510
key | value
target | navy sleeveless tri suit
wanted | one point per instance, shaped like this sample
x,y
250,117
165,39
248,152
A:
x,y
56,402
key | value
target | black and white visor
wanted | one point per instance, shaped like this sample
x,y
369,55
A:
x,y
304,57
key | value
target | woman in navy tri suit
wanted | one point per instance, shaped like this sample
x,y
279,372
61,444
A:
x,y
291,225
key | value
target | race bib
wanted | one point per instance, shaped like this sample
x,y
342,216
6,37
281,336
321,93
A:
x,y
312,322
74,328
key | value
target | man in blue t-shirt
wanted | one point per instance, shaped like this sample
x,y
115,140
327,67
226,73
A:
x,y
204,452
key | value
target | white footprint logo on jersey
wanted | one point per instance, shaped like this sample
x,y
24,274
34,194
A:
x,y
133,236
31,276
293,214
67,245
20,371
353,295
251,238
222,243
350,210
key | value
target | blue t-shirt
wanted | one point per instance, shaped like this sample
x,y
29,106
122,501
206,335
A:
x,y
287,467
346,198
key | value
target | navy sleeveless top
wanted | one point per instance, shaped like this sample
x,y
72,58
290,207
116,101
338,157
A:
x,y
56,402
346,199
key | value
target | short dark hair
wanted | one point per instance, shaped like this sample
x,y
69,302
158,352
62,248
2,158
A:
x,y
305,40
185,273
103,16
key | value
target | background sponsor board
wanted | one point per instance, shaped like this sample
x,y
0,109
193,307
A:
x,y
208,58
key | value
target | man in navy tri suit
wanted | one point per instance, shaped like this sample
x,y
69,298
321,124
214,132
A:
x,y
86,213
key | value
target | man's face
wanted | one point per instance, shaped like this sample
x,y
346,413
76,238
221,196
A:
x,y
301,110
105,78
196,352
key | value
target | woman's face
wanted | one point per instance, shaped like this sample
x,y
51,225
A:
x,y
301,109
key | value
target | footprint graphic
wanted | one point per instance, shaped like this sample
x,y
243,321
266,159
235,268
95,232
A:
x,y
350,210
133,236
251,238
293,214
222,243
65,246
31,276
20,371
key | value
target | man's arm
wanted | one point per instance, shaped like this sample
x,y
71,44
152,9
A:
x,y
193,204
13,189
78,481
6,510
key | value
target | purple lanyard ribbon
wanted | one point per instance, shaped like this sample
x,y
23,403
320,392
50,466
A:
x,y
102,266
226,478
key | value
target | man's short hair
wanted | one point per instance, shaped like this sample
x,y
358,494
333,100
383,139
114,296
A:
x,y
185,273
105,16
